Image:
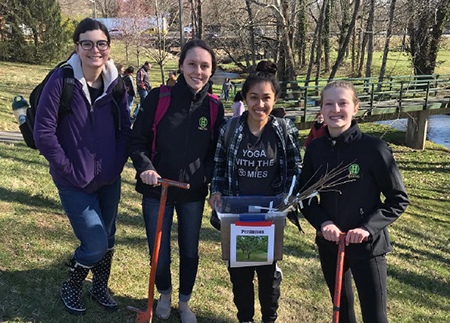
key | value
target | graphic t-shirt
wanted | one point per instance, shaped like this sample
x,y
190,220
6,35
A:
x,y
257,165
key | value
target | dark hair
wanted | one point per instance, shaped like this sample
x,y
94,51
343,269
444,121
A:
x,y
89,24
238,97
173,72
130,70
202,44
147,63
265,72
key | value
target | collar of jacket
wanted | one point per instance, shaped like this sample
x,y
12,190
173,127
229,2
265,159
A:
x,y
353,133
109,75
186,92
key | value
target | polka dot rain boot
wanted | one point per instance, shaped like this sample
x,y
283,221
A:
x,y
100,277
71,288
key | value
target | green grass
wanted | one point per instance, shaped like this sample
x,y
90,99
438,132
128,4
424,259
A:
x,y
37,238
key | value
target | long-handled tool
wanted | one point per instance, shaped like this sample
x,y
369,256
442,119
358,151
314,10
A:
x,y
338,281
146,316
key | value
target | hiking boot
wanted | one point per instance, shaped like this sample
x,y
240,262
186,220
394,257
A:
x,y
187,316
100,277
163,307
71,288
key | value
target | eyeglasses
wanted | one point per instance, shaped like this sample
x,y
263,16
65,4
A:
x,y
102,45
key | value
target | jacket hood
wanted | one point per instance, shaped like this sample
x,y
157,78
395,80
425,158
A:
x,y
109,75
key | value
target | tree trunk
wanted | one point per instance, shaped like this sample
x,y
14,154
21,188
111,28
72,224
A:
x,y
386,44
199,19
345,22
326,35
346,41
370,37
317,35
353,50
362,52
251,31
302,27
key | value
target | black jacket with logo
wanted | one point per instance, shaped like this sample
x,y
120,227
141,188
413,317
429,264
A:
x,y
185,146
371,170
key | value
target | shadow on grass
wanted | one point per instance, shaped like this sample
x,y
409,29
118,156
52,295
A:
x,y
431,256
420,282
37,201
33,296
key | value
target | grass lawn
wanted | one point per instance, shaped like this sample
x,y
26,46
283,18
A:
x,y
37,239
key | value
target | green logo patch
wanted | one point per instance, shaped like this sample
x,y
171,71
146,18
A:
x,y
353,170
202,123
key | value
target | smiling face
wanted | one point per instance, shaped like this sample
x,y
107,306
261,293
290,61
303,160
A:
x,y
260,101
197,68
338,108
92,58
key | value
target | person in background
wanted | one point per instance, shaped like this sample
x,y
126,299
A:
x,y
272,145
184,151
317,129
226,88
129,84
121,69
238,105
143,81
172,80
86,151
355,207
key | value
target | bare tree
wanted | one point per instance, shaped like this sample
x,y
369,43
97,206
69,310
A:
x,y
425,29
157,45
133,14
386,44
317,37
251,31
107,8
342,50
279,9
370,38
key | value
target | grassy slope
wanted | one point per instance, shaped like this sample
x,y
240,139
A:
x,y
36,239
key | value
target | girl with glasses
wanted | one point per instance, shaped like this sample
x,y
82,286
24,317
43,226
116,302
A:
x,y
86,152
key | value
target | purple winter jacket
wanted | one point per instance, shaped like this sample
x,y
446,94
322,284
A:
x,y
83,149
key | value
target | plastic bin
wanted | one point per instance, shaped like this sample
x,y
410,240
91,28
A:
x,y
237,208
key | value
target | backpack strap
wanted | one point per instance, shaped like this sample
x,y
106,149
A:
x,y
65,103
213,110
117,93
231,126
161,109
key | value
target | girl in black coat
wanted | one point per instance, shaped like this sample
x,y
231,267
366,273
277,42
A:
x,y
184,150
356,206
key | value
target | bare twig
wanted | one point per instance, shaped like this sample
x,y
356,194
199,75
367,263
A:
x,y
326,183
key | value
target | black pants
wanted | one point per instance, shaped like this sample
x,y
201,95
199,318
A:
x,y
370,280
269,280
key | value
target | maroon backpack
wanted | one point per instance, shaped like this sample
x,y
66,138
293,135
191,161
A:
x,y
163,105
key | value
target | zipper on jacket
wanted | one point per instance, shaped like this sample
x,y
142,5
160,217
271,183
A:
x,y
183,171
91,114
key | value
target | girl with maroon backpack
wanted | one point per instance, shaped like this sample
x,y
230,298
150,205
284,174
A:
x,y
179,146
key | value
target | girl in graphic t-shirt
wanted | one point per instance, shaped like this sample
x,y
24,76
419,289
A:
x,y
261,159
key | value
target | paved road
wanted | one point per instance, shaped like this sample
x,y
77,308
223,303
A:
x,y
10,136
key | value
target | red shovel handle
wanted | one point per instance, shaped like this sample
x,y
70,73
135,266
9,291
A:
x,y
338,280
146,316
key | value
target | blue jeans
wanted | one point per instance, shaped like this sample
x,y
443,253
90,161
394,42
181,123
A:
x,y
130,100
189,216
93,219
142,94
